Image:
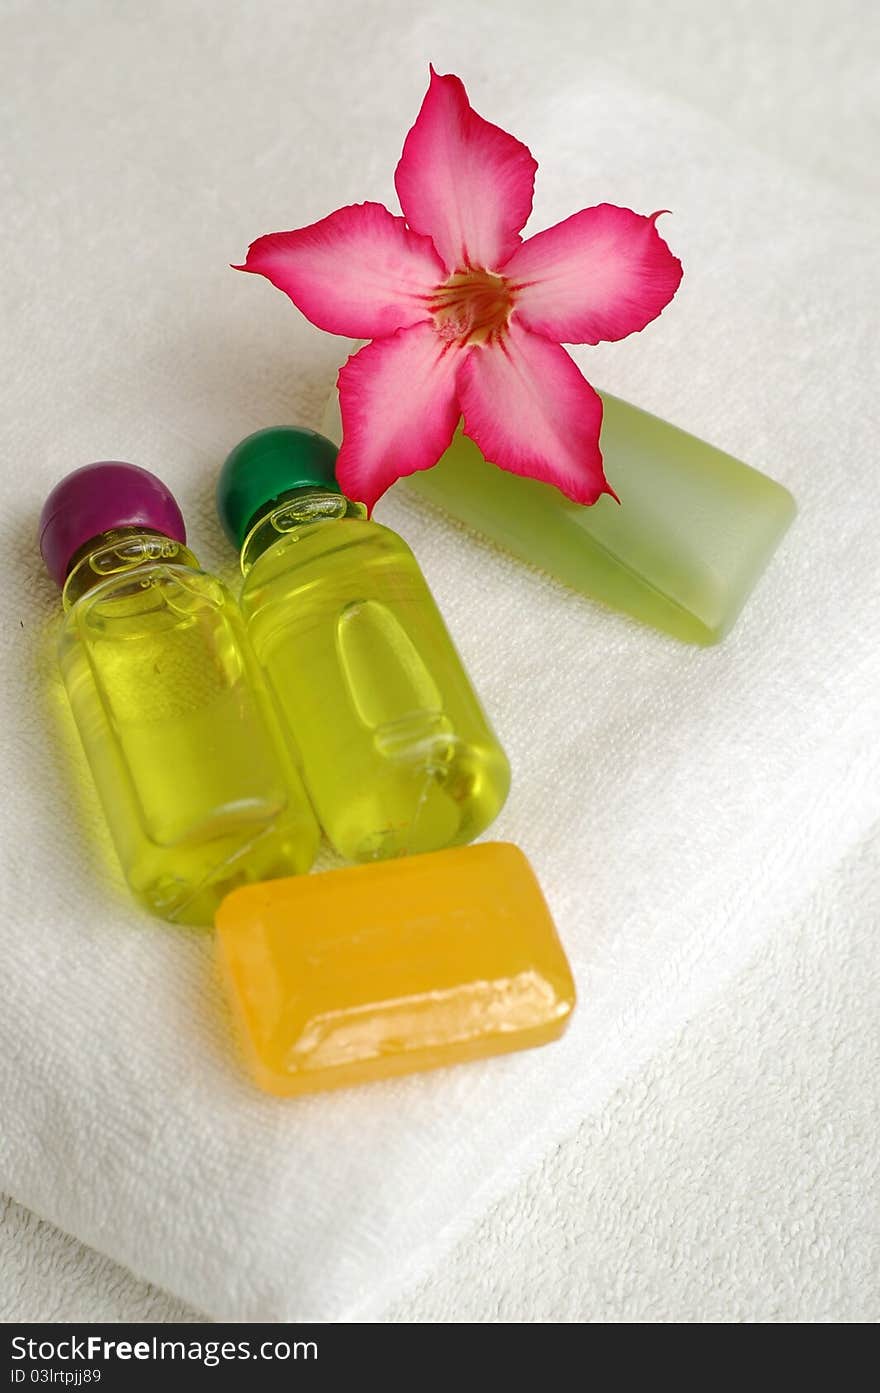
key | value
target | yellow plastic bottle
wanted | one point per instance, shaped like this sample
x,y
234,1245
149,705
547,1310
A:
x,y
397,753
185,748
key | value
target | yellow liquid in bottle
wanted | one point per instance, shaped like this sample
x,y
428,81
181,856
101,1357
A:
x,y
397,753
183,743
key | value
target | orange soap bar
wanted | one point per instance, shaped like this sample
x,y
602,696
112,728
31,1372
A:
x,y
393,966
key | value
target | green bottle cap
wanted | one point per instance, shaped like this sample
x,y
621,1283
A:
x,y
267,465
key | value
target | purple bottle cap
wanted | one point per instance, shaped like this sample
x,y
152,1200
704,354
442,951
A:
x,y
99,498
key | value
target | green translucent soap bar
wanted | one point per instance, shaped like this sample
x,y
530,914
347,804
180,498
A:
x,y
683,550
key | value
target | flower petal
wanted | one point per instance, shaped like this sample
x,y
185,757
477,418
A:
x,y
529,410
360,272
601,274
465,183
399,410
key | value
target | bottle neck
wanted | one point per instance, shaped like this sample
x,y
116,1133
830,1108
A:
x,y
113,553
292,511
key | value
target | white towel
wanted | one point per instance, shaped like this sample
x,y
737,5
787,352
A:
x,y
674,802
728,1180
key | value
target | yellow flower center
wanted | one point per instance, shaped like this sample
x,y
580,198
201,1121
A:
x,y
472,307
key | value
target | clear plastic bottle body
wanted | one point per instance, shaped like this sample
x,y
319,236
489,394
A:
x,y
397,753
196,781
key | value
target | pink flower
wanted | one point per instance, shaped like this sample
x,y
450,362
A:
x,y
466,318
